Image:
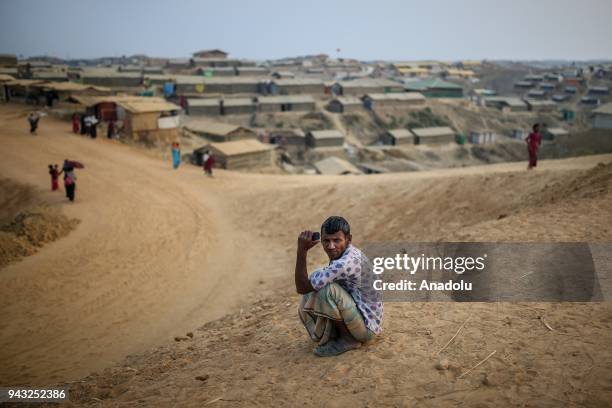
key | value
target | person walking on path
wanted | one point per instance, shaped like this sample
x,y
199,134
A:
x,y
54,173
75,123
533,145
176,155
69,179
33,119
209,161
110,131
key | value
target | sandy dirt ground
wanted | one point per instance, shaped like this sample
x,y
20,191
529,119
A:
x,y
158,253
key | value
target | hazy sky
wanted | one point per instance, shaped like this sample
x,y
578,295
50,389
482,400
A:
x,y
262,29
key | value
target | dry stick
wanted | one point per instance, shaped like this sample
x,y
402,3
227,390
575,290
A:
x,y
486,358
545,323
453,338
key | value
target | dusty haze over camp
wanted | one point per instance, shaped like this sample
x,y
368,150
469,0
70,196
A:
x,y
269,29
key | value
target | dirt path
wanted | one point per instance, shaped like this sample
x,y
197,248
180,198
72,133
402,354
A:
x,y
145,264
157,253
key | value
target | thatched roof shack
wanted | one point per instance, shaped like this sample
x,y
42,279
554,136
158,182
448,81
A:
x,y
397,137
393,100
286,103
335,166
324,138
345,104
151,119
433,135
219,132
236,155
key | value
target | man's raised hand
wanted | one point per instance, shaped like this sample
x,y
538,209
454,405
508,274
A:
x,y
305,241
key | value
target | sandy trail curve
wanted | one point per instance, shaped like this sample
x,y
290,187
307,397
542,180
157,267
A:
x,y
157,253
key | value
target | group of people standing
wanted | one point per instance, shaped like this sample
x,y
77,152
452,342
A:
x,y
208,160
87,125
69,177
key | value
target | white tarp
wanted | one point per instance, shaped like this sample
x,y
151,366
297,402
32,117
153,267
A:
x,y
168,122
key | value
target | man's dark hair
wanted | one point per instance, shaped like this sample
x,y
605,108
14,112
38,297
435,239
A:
x,y
535,126
334,224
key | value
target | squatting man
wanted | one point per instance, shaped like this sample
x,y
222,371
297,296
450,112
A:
x,y
339,313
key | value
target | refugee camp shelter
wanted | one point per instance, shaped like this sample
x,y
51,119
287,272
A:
x,y
393,100
252,71
23,90
324,138
8,60
210,72
505,103
602,117
237,106
345,104
63,91
238,155
288,103
111,78
197,106
540,106
397,137
214,54
218,132
435,88
362,86
291,139
553,133
295,86
598,90
536,94
433,135
523,84
231,85
150,119
335,166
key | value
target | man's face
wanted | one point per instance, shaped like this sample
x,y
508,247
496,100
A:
x,y
335,244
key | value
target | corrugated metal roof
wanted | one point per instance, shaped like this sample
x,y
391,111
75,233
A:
x,y
433,131
335,166
70,86
370,83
